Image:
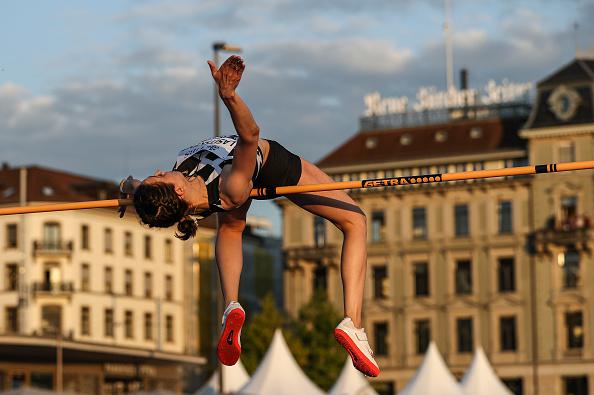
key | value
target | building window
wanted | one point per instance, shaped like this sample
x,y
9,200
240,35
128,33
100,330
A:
x,y
85,242
422,336
128,246
85,278
377,226
319,231
148,285
51,320
148,326
148,248
52,235
575,330
463,277
168,287
320,278
168,251
108,280
507,333
169,328
43,380
109,324
461,220
380,276
108,241
571,269
128,283
576,385
380,331
421,274
85,321
568,211
129,324
11,277
11,319
419,223
515,385
505,217
12,236
506,275
566,151
464,334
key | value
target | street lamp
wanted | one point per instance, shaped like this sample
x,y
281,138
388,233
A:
x,y
216,48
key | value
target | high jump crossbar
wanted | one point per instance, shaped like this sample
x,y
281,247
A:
x,y
273,192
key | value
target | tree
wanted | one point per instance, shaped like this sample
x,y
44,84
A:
x,y
315,329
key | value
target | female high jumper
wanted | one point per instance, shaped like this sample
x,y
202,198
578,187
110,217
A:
x,y
217,175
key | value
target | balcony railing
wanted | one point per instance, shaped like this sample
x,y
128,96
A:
x,y
53,287
572,230
52,247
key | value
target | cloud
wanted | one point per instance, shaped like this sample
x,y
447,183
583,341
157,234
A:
x,y
158,97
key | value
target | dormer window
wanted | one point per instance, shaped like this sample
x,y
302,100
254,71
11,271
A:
x,y
48,191
371,142
406,139
476,133
441,136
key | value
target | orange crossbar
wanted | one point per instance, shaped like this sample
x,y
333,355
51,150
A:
x,y
270,193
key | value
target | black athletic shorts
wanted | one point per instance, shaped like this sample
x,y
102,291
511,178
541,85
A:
x,y
282,168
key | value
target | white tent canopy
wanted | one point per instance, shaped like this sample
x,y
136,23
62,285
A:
x,y
234,377
432,377
480,378
351,382
279,374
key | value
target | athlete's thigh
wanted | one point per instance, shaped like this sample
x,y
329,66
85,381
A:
x,y
336,206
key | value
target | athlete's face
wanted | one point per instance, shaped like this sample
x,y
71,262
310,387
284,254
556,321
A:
x,y
175,178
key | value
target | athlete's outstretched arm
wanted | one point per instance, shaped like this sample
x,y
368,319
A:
x,y
238,184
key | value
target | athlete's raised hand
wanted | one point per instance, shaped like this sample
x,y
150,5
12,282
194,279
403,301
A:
x,y
227,76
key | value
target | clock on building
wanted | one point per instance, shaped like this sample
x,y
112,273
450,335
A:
x,y
564,102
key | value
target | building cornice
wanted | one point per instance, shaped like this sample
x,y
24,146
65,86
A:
x,y
557,131
96,348
502,154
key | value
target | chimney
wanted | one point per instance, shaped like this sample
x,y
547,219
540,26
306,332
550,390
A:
x,y
463,79
5,166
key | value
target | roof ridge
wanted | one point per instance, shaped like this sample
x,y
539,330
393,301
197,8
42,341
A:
x,y
585,67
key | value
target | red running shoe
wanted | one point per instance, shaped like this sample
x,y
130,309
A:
x,y
229,347
355,342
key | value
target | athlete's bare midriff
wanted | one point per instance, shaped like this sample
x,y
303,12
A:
x,y
265,147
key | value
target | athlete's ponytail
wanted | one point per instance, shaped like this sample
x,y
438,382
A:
x,y
186,228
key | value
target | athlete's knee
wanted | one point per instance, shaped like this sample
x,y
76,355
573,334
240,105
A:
x,y
353,222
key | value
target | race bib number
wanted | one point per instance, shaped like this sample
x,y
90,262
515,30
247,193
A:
x,y
220,146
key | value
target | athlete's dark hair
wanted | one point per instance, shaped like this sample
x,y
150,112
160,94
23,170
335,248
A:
x,y
159,206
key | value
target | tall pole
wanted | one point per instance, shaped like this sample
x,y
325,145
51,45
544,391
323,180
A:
x,y
217,103
448,47
216,47
533,297
59,362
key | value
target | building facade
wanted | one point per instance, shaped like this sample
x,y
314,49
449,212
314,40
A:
x,y
501,263
90,302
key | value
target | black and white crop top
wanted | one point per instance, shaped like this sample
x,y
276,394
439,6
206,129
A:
x,y
206,160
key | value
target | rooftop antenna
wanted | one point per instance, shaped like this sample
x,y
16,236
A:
x,y
448,46
576,29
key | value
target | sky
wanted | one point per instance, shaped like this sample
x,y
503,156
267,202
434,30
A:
x,y
116,87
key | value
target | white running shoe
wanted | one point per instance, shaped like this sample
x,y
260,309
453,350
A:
x,y
355,342
229,346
